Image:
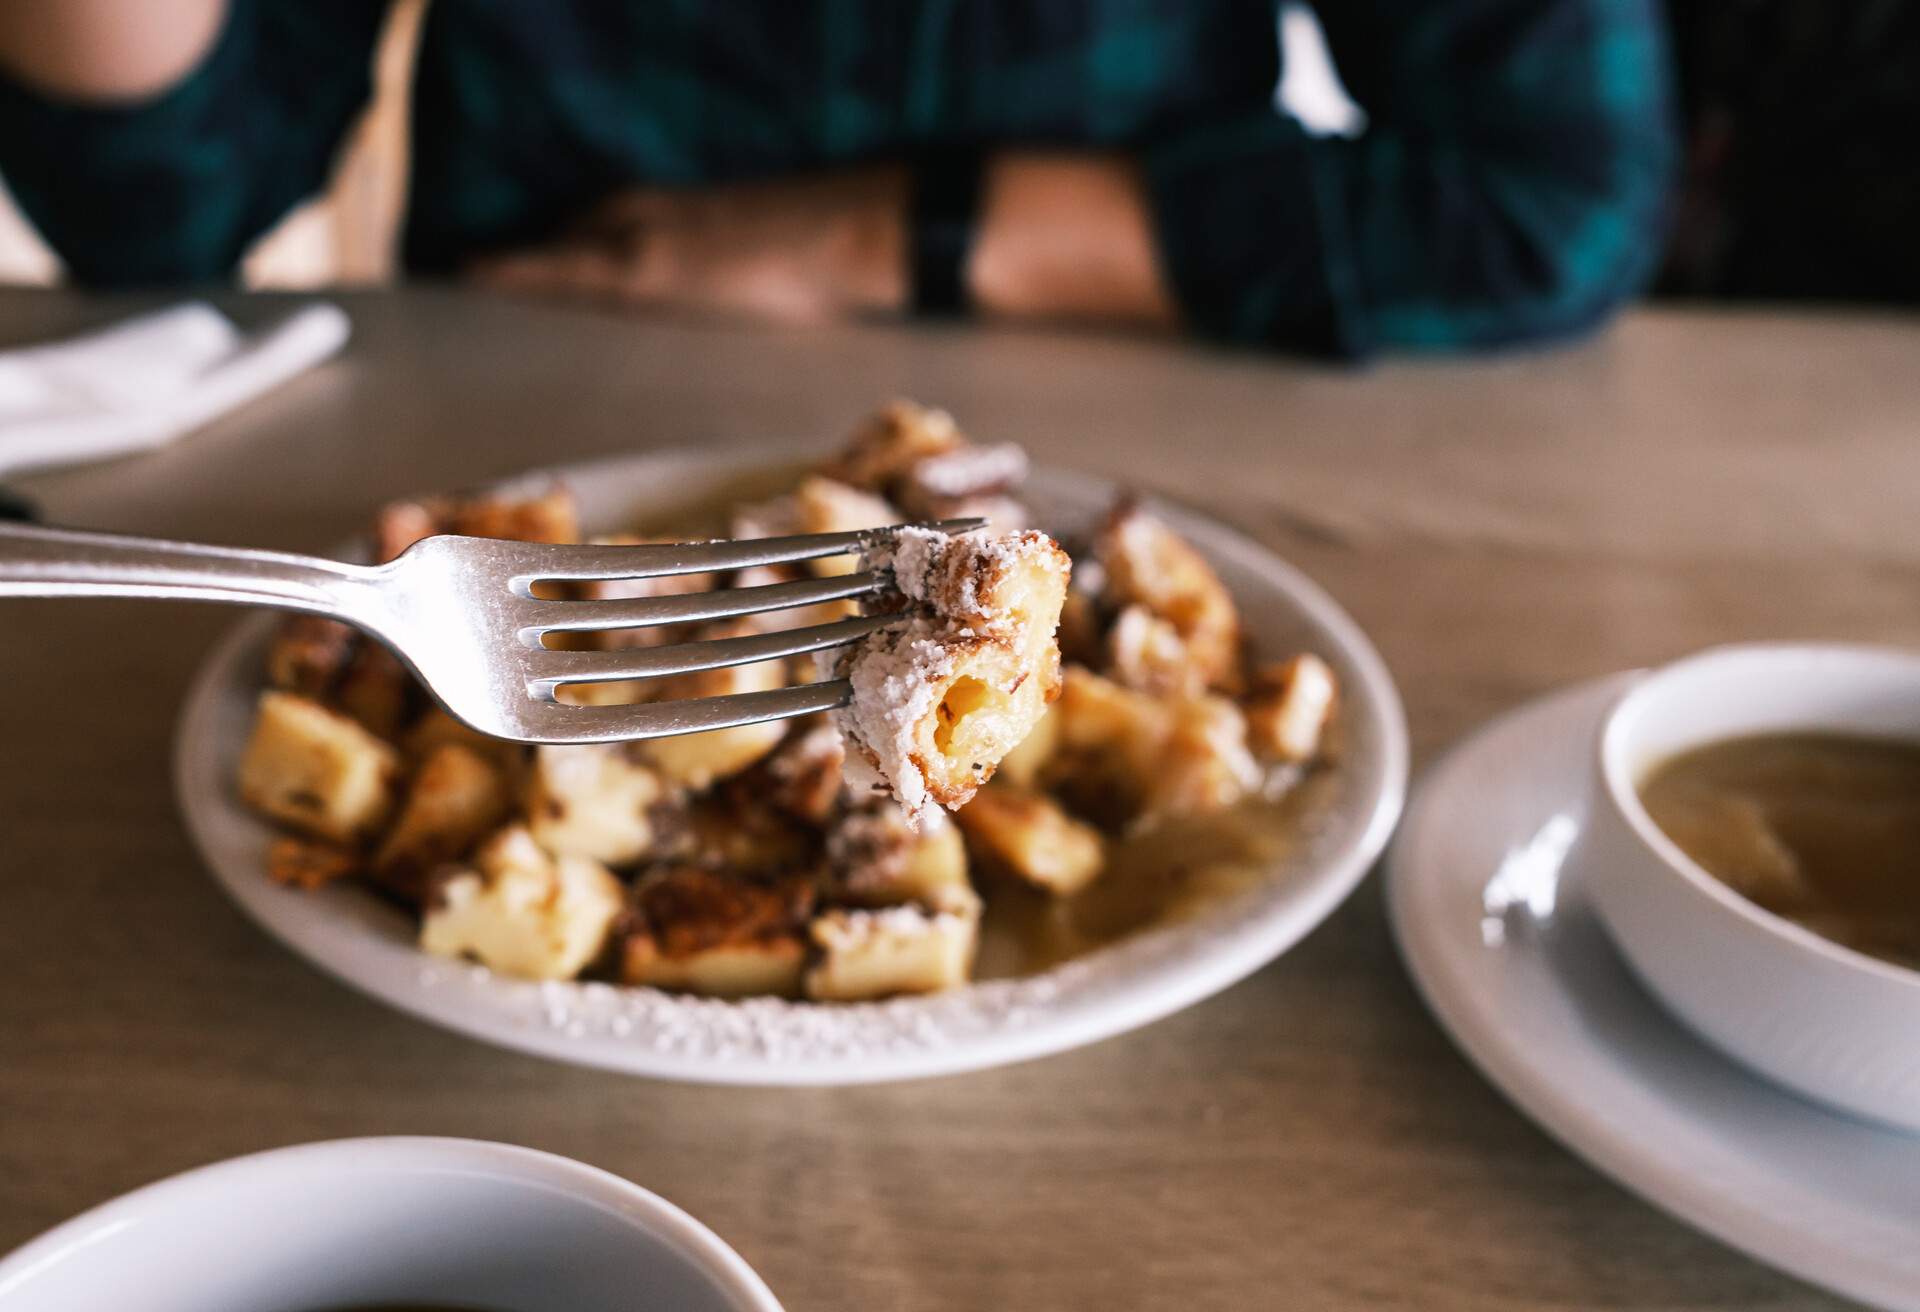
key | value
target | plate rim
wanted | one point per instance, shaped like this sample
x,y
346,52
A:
x,y
1544,1099
1163,989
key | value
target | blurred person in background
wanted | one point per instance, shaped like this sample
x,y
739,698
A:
x,y
1112,161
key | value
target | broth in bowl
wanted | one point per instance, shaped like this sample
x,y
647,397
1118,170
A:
x,y
1820,828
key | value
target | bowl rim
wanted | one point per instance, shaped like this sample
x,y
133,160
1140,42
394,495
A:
x,y
641,1207
1621,789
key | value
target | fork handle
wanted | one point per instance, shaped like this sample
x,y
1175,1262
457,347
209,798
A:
x,y
59,562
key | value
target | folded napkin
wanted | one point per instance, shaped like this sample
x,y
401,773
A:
x,y
145,382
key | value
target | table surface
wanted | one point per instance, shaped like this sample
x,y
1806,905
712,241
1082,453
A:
x,y
1308,1138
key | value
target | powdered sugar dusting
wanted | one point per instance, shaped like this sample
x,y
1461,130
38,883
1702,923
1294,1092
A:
x,y
799,1037
911,554
969,471
896,677
775,1031
791,1036
852,924
955,583
952,574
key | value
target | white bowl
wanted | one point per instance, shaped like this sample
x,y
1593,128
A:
x,y
447,1222
1823,1020
370,944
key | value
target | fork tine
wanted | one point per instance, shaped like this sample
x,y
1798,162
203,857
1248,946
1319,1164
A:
x,y
566,667
547,562
606,724
718,604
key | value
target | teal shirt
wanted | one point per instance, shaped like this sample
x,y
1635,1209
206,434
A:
x,y
1511,183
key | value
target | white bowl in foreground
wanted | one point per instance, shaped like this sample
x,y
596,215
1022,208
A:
x,y
441,1222
1830,1023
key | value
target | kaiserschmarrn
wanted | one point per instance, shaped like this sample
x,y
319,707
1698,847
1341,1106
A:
x,y
842,857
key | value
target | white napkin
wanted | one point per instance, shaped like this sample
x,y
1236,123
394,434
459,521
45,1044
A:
x,y
143,383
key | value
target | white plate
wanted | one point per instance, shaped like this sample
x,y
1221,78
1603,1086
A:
x,y
1513,961
768,1041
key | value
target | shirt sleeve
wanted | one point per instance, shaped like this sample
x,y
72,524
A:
x,y
1510,185
173,189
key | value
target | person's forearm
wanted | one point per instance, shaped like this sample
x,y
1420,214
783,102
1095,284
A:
x,y
1067,237
106,50
1057,237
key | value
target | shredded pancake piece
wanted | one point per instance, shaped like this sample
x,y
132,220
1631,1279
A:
x,y
940,698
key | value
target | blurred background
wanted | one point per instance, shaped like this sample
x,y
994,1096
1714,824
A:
x,y
1795,177
347,235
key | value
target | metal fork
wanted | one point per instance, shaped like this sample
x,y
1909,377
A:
x,y
462,614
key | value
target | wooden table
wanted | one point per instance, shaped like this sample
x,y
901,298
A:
x,y
1307,1139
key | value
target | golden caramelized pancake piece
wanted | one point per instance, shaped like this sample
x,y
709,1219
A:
x,y
877,859
1024,766
717,933
434,729
696,760
818,505
933,713
455,798
1149,565
920,461
767,967
1204,765
305,864
548,516
823,505
1147,652
878,954
1009,587
1106,743
1288,707
309,654
607,692
522,911
891,442
941,698
317,771
802,777
376,690
736,831
593,800
1126,758
1029,836
699,759
400,524
551,516
939,484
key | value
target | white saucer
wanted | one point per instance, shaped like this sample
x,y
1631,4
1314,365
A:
x,y
1516,966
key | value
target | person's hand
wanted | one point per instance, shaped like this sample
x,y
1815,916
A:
x,y
1069,238
799,250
